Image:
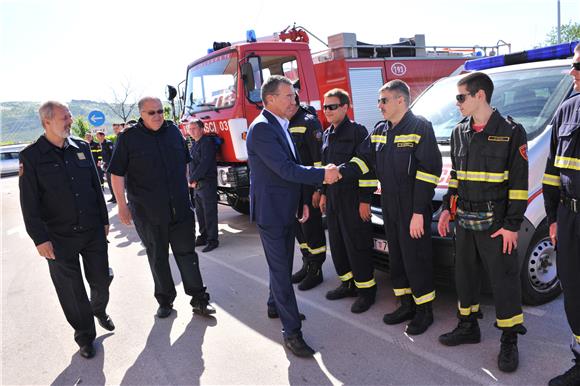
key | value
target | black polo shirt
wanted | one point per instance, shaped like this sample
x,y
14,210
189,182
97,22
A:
x,y
60,190
154,166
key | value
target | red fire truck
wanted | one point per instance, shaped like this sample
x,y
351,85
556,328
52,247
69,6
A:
x,y
223,87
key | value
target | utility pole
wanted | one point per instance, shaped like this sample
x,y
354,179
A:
x,y
559,37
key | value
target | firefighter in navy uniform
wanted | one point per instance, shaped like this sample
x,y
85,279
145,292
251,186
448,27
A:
x,y
561,186
347,206
489,177
404,153
65,215
306,132
97,154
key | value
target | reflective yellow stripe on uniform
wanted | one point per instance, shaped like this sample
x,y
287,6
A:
x,y
361,164
431,178
378,138
577,337
347,276
402,291
297,130
368,183
550,179
316,251
518,194
518,319
365,284
408,138
318,164
468,310
463,175
425,298
453,183
567,163
303,246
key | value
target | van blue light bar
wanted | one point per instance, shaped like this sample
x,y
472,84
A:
x,y
559,51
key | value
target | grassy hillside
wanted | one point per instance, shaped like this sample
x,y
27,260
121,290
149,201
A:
x,y
19,120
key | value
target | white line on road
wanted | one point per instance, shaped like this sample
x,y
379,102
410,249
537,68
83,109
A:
x,y
385,336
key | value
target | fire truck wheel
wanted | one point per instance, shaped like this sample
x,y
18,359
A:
x,y
539,275
240,205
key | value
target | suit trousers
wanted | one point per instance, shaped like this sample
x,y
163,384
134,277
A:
x,y
278,243
157,238
65,272
206,210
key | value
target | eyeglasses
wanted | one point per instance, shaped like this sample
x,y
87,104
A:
x,y
333,106
575,66
461,97
151,113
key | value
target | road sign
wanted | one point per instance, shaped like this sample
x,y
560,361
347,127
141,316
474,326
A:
x,y
96,118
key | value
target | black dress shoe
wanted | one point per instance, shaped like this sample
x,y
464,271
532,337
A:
x,y
200,305
273,314
200,241
298,346
87,351
164,311
106,322
211,246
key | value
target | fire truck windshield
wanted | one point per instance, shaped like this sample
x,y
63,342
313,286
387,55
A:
x,y
529,96
211,85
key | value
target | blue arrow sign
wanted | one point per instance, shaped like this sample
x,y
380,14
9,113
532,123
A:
x,y
96,118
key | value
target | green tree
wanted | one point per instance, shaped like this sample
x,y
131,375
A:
x,y
568,32
80,126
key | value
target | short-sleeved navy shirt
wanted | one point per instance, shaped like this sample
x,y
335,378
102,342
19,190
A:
x,y
154,166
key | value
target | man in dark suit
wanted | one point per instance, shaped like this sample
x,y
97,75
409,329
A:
x,y
275,194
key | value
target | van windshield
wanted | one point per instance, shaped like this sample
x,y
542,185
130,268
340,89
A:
x,y
211,85
529,96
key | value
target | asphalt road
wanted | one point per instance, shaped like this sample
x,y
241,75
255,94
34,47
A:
x,y
241,345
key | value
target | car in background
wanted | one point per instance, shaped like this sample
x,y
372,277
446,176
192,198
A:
x,y
529,87
9,159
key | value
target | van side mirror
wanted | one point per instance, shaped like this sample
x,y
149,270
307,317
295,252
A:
x,y
170,92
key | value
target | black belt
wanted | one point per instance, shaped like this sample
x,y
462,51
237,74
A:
x,y
476,206
573,204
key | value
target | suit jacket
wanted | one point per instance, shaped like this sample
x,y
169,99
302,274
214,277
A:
x,y
276,178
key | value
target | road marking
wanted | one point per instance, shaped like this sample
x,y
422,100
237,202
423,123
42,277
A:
x,y
536,311
324,369
489,373
403,343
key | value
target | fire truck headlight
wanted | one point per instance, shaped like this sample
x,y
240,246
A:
x,y
223,177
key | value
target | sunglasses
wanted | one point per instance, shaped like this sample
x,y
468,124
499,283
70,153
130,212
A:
x,y
461,97
160,112
576,66
333,106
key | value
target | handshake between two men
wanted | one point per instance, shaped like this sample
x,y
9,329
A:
x,y
331,174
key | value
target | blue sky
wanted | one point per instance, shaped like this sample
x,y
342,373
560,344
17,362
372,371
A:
x,y
84,49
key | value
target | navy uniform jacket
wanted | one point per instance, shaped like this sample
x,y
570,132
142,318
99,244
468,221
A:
x,y
306,132
60,190
154,166
339,146
563,165
406,159
107,151
203,160
275,175
491,165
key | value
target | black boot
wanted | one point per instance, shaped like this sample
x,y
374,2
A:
x,y
422,320
200,304
508,358
345,289
406,311
366,298
313,277
570,377
300,275
466,332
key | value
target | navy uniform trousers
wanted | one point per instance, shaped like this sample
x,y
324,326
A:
x,y
206,209
65,272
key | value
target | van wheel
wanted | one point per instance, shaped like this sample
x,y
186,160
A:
x,y
539,275
240,205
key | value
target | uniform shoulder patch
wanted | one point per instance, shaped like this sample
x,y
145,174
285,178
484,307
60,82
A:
x,y
524,151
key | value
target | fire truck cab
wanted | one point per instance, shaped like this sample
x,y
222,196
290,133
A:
x,y
223,88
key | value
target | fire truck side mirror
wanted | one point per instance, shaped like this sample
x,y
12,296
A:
x,y
170,92
248,77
